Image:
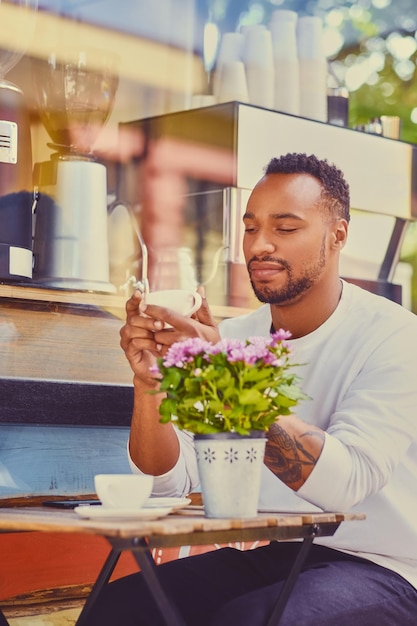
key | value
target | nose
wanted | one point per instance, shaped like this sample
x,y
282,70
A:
x,y
259,243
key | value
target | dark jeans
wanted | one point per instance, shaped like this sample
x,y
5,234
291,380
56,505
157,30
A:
x,y
229,586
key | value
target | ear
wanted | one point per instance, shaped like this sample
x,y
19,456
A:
x,y
340,233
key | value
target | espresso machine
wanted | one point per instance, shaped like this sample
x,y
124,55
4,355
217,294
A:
x,y
75,92
16,187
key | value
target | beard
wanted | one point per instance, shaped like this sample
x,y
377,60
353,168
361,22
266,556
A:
x,y
294,286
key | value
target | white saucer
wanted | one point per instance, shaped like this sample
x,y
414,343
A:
x,y
107,513
173,503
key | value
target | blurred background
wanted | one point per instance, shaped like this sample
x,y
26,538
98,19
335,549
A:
x,y
371,43
165,52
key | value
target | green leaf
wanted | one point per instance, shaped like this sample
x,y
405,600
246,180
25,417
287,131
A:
x,y
228,396
172,379
250,396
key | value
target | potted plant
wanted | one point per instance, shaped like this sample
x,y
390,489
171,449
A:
x,y
228,394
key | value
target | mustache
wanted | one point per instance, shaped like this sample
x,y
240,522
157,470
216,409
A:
x,y
268,259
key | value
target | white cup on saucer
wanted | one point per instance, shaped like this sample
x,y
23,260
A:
x,y
123,491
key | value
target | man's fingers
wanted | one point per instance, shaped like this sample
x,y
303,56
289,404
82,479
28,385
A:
x,y
203,315
163,315
132,305
140,332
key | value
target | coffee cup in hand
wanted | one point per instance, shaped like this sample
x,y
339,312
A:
x,y
123,491
182,301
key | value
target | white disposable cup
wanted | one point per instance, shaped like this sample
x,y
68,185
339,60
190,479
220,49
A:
x,y
245,28
283,15
286,65
259,66
313,68
232,84
310,37
391,126
313,89
284,37
182,301
287,86
260,81
230,48
123,491
257,47
230,51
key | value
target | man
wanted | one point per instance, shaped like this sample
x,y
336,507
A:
x,y
352,446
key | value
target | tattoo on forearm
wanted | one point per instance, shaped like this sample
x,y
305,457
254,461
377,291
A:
x,y
286,456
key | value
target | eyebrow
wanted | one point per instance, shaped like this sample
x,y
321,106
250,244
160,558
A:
x,y
274,216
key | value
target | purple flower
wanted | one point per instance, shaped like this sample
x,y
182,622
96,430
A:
x,y
183,352
280,335
257,350
226,346
210,384
260,342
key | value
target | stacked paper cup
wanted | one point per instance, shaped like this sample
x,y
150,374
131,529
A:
x,y
229,82
313,68
232,84
259,65
286,67
282,67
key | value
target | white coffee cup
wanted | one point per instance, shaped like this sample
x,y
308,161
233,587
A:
x,y
123,491
182,301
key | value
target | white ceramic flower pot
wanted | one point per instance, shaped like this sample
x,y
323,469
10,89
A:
x,y
230,468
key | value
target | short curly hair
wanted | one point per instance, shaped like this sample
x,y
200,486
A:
x,y
335,192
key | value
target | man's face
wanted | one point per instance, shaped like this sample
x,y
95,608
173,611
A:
x,y
286,238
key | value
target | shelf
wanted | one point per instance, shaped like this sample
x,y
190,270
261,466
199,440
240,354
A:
x,y
63,296
107,302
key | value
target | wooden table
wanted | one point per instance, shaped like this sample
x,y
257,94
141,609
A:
x,y
186,527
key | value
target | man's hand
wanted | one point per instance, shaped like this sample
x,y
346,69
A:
x,y
201,324
137,339
144,338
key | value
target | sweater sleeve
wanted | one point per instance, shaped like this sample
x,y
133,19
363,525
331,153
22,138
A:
x,y
182,479
324,487
372,429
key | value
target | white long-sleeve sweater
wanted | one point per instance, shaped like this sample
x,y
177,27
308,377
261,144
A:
x,y
360,371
